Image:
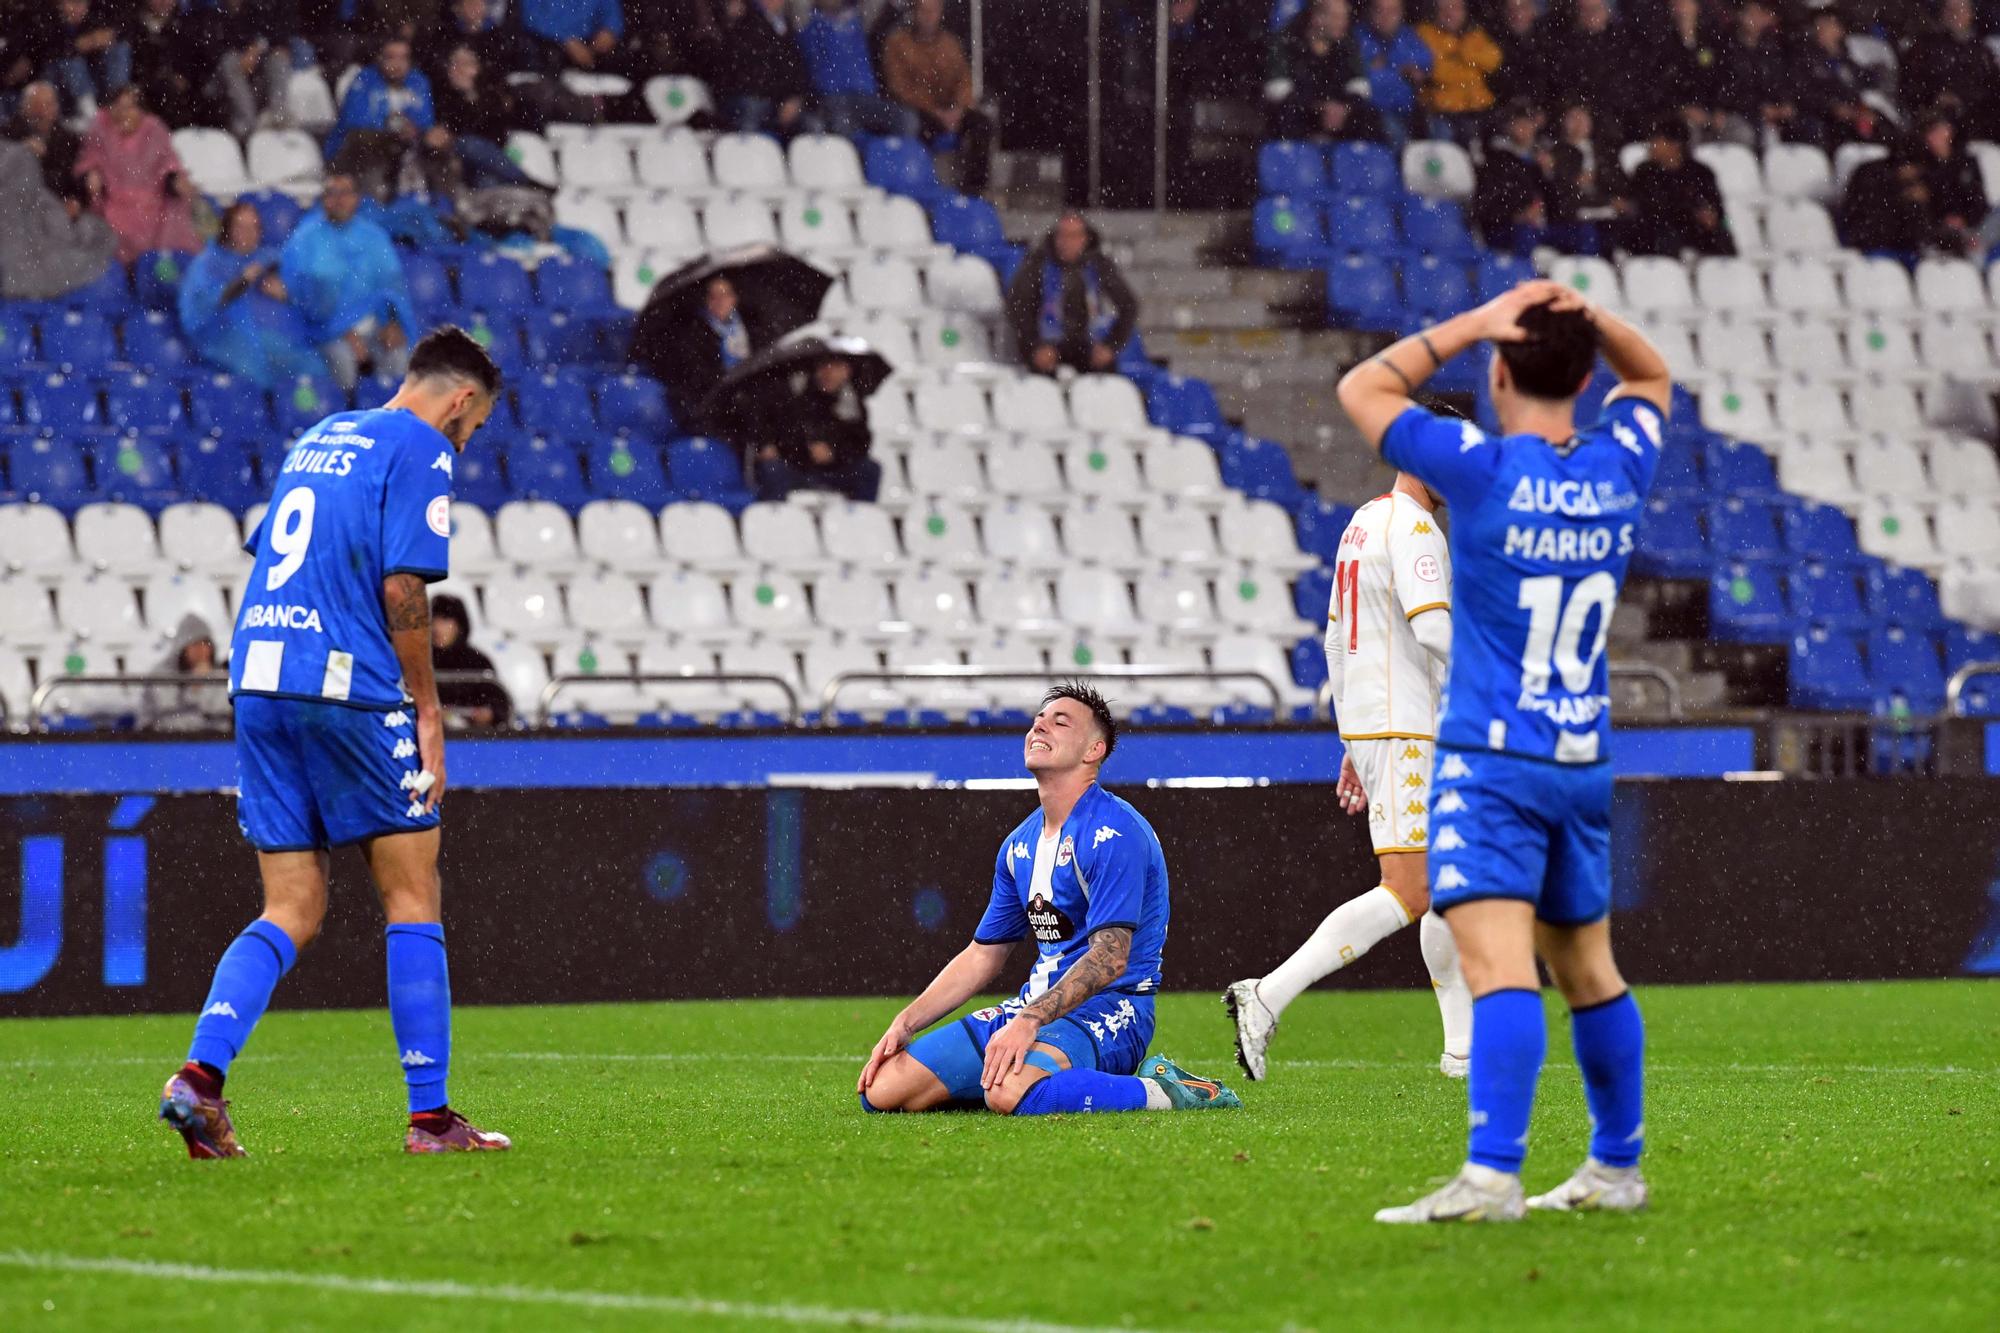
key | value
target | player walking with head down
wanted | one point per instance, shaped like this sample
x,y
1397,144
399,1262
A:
x,y
1086,874
1543,523
1388,643
331,657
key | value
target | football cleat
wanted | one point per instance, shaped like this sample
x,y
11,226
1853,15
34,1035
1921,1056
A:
x,y
1255,1024
1454,1066
1186,1091
202,1121
461,1135
1475,1194
1596,1188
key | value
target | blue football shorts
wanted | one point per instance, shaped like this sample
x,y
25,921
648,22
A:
x,y
1108,1032
1507,827
312,775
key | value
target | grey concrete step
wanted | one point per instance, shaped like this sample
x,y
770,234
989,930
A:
x,y
1224,313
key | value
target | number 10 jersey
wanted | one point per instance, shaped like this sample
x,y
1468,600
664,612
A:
x,y
361,496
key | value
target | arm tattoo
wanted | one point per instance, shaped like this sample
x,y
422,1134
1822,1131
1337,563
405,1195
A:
x,y
1110,950
1409,385
408,605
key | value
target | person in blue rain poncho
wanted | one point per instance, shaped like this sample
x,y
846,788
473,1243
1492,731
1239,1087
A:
x,y
344,276
236,311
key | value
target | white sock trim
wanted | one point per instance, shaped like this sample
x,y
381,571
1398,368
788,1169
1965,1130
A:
x,y
1156,1096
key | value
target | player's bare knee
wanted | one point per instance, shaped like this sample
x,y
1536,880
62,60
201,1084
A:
x,y
1407,876
1002,1098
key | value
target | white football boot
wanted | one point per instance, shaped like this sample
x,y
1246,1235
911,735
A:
x,y
1476,1194
1254,1026
1454,1066
1596,1188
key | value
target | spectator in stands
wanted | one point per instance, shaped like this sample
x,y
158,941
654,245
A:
x,y
1526,55
1758,80
1595,65
1676,203
342,272
136,180
1886,209
39,129
835,44
1955,190
247,45
1456,97
1068,304
1685,64
79,51
1952,69
167,44
1831,111
1396,63
1510,199
478,703
478,116
46,250
502,51
574,34
387,118
405,19
203,701
1587,188
924,67
762,82
716,341
236,312
820,440
1315,82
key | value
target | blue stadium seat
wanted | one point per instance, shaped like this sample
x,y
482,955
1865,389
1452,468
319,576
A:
x,y
1672,543
1435,288
226,405
430,283
1185,406
1260,468
1746,604
498,332
556,402
60,402
543,468
624,469
572,286
109,294
903,166
1904,597
478,475
143,403
1820,532
1289,232
1361,167
1736,468
1312,594
81,339
152,341
221,472
301,405
559,338
1437,227
278,213
1742,529
1498,273
1904,663
1309,661
1319,525
1291,168
701,469
17,339
1827,672
1361,293
634,404
1362,225
1679,472
1823,594
1964,645
497,285
501,421
965,223
137,469
49,471
156,279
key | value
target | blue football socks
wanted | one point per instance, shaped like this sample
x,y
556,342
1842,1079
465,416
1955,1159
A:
x,y
1077,1090
1509,1041
420,1011
250,970
1610,1040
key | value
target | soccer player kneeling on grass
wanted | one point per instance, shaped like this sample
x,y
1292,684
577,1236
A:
x,y
1544,519
1086,875
331,660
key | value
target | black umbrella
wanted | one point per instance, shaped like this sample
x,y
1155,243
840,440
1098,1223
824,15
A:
x,y
778,292
764,377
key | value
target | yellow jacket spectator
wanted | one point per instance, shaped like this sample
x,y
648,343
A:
x,y
1462,55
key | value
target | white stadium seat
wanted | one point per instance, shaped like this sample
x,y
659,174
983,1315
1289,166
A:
x,y
826,162
533,155
826,660
1179,533
1656,285
1095,600
1437,169
817,225
945,469
751,162
1961,466
310,101
1738,409
617,534
1732,347
1018,600
596,162
1723,283
772,603
202,537
1024,469
691,605
1881,347
1107,405
1032,405
783,536
1968,528
860,535
27,618
675,99
727,224
1595,278
700,535
1955,348
954,405
1737,171
1183,466
937,603
1023,536
1798,171
1808,345
1898,532
705,700
594,213
1254,652
1889,407
855,604
1179,601
34,540
1104,533
1107,469
943,534
1890,467
608,605
118,538
213,161
1951,287
1260,532
172,598
1818,469
966,283
676,162
886,282
1805,285
537,535
948,338
527,605
1879,286
1800,227
472,550
1805,406
1260,600
284,158
102,611
892,223
1849,157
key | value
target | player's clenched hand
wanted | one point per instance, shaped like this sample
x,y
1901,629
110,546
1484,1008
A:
x,y
1008,1050
430,754
1499,320
1353,796
894,1040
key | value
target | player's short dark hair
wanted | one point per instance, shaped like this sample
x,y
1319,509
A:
x,y
1091,699
450,352
1559,351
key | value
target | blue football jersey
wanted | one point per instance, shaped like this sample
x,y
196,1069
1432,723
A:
x,y
361,496
1540,537
1104,868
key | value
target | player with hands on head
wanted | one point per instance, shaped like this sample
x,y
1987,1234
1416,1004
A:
x,y
1544,519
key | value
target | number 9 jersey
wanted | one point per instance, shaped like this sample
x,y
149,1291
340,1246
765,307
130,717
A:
x,y
1540,537
361,496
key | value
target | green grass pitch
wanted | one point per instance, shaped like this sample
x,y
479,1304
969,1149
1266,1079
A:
x,y
1821,1156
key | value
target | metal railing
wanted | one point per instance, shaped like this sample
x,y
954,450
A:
x,y
1954,689
38,701
830,695
1669,687
545,708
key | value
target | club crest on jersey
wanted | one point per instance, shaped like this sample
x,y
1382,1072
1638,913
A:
x,y
438,515
1052,925
1067,852
1649,422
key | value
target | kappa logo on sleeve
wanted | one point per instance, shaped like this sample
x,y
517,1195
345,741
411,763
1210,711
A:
x,y
1103,835
1018,852
1470,437
443,463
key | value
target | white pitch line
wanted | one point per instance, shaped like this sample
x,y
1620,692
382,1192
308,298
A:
x,y
510,1294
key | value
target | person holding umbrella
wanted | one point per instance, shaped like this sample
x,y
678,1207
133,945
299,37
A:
x,y
820,438
709,317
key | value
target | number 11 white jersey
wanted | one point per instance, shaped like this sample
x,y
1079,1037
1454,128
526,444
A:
x,y
1393,565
